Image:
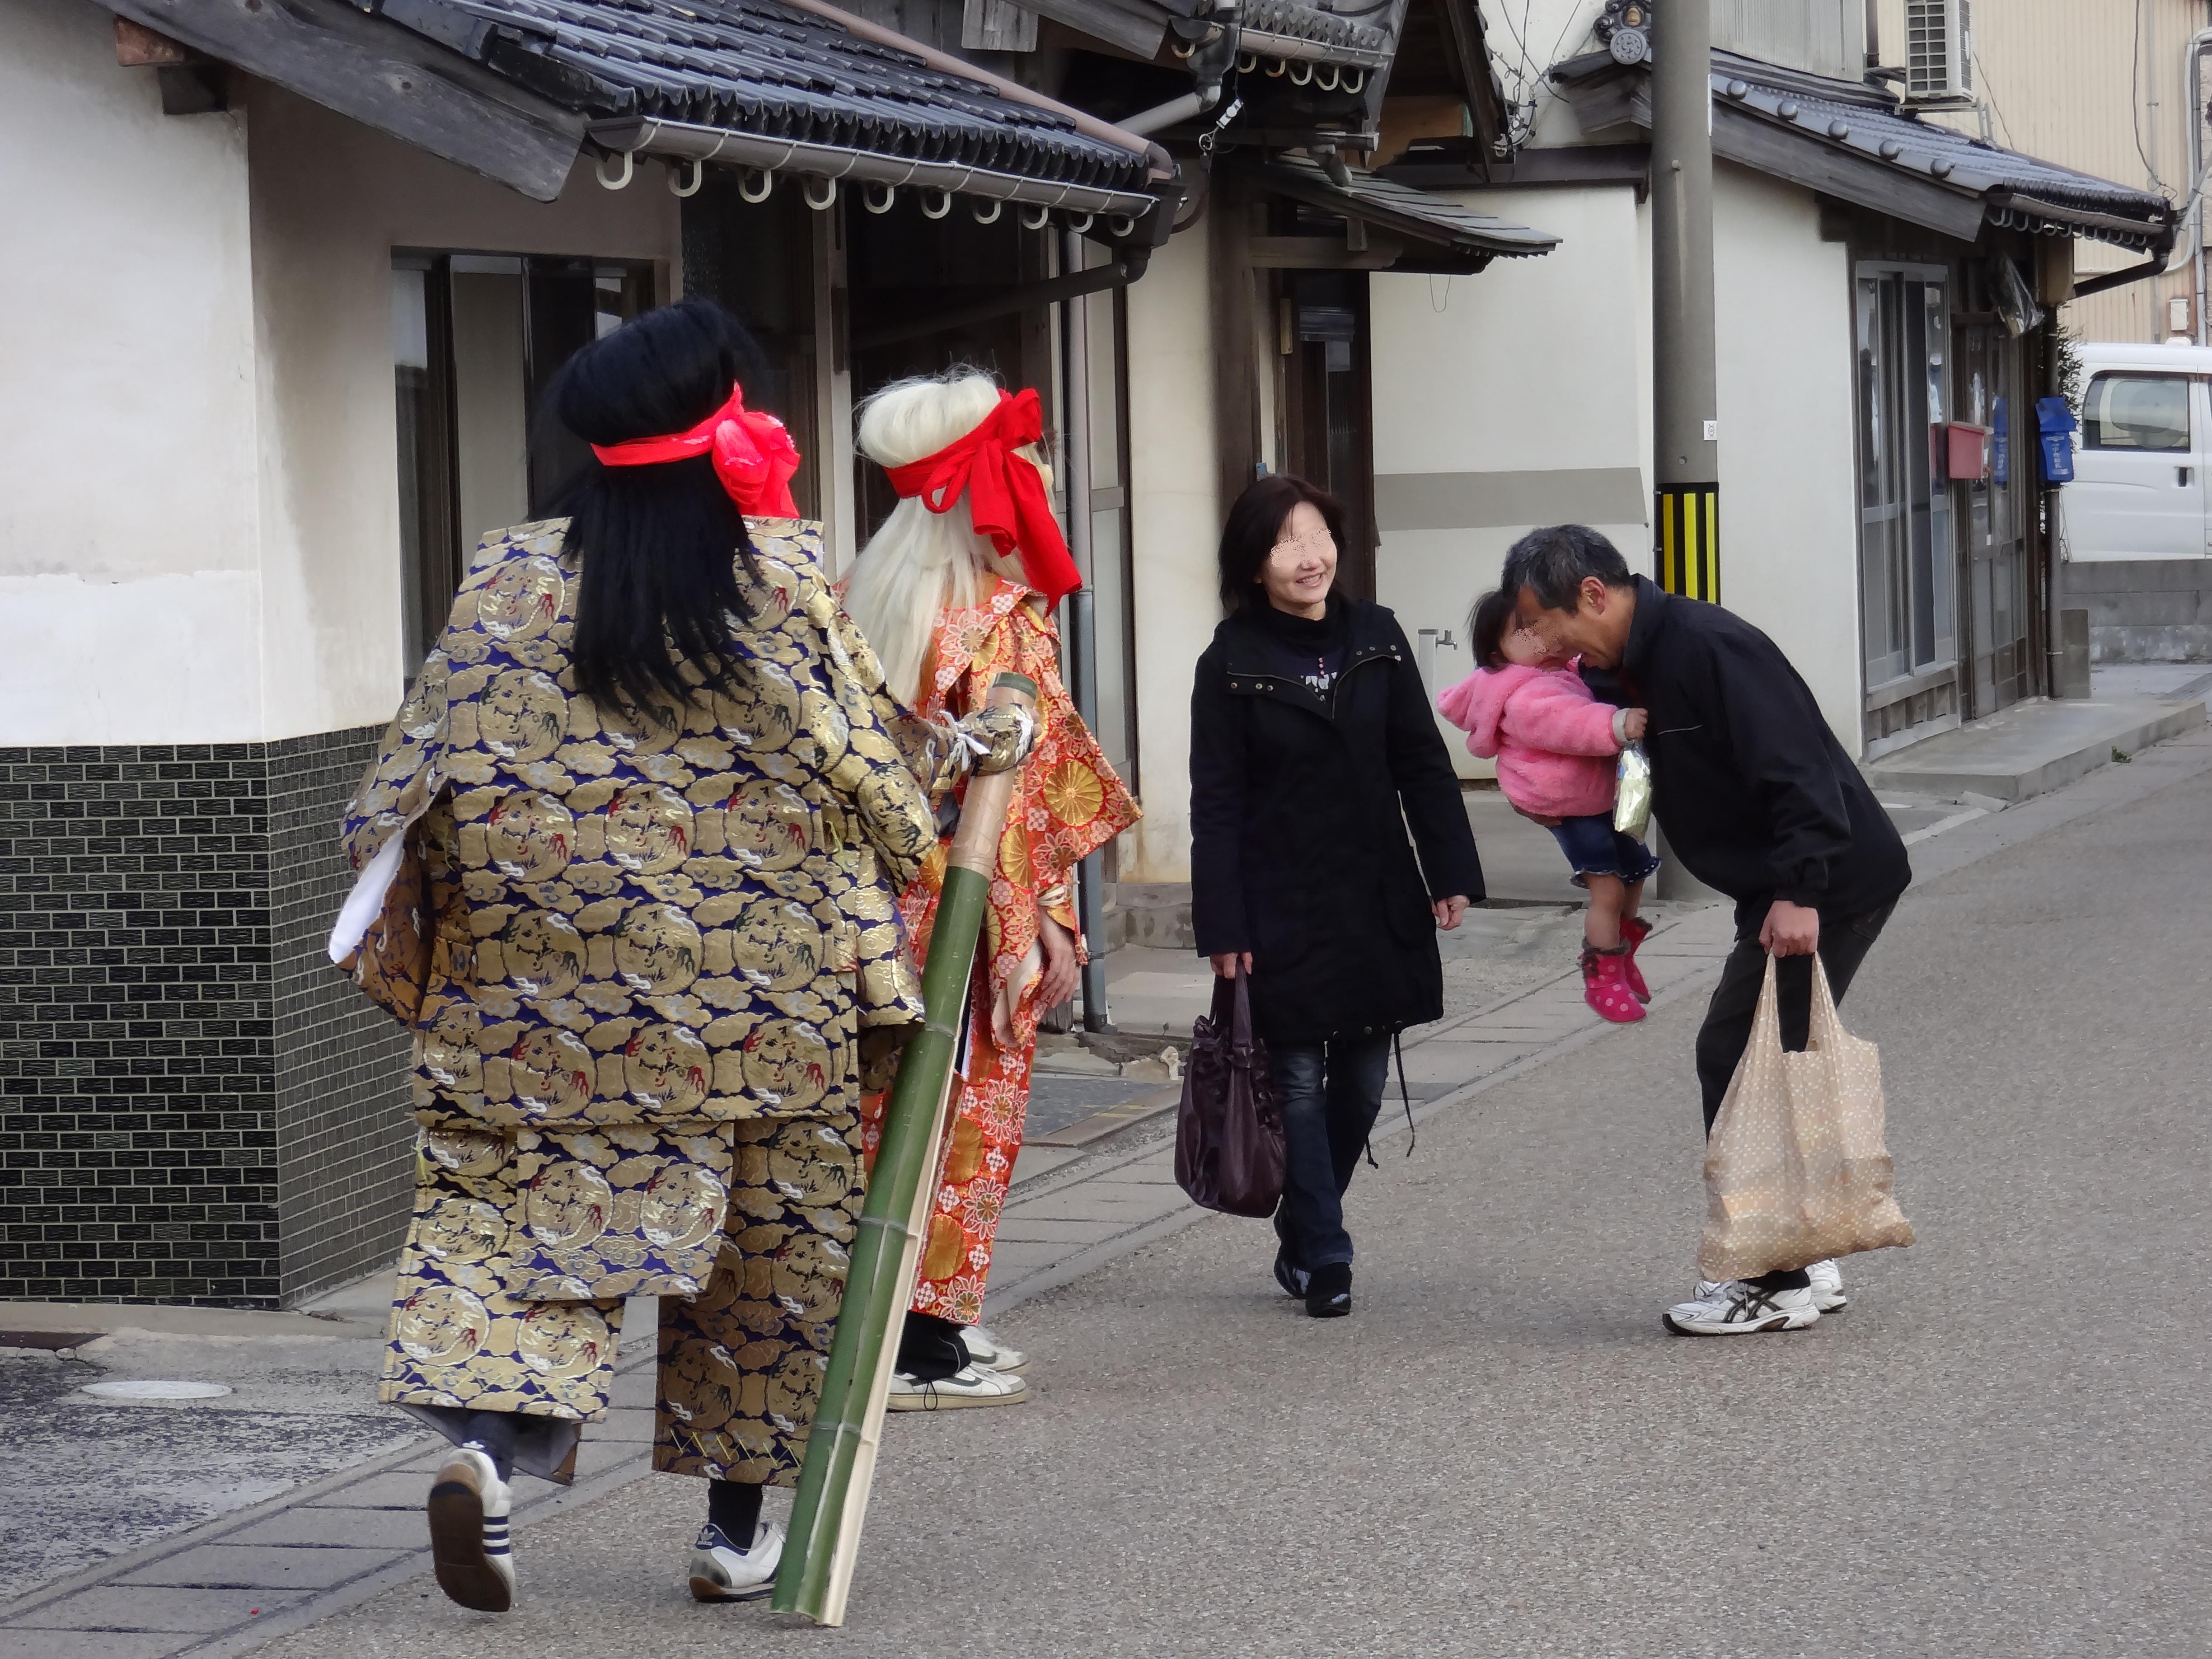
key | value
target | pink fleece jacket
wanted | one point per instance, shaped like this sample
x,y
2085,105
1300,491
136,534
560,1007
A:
x,y
1552,741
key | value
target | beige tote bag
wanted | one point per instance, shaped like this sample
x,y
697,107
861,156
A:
x,y
1796,1170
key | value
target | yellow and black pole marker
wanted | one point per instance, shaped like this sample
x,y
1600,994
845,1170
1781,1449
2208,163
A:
x,y
1685,429
1687,548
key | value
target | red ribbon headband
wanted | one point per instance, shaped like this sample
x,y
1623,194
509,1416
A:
x,y
1006,497
754,456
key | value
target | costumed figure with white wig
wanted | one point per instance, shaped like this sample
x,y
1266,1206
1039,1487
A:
x,y
957,587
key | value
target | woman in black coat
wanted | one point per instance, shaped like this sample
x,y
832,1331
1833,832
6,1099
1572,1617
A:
x,y
1312,747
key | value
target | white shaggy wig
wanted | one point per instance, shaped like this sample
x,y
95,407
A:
x,y
921,562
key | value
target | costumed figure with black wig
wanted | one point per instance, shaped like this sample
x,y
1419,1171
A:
x,y
956,589
629,863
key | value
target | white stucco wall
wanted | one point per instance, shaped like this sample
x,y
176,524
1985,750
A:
x,y
1789,512
1174,496
331,200
1526,388
199,537
129,546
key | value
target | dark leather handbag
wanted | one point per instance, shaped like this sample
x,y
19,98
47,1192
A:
x,y
1229,1131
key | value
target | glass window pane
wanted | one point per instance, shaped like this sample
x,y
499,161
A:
x,y
2137,411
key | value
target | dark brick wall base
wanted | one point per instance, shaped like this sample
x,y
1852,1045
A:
x,y
193,1106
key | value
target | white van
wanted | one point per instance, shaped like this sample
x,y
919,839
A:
x,y
2142,461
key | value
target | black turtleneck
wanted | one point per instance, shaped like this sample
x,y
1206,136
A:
x,y
1310,651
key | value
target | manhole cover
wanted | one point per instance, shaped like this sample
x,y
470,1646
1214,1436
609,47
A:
x,y
149,1389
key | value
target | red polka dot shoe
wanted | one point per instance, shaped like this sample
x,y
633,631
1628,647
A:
x,y
1633,932
1605,985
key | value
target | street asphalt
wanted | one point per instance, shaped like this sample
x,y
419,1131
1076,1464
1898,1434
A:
x,y
1998,1450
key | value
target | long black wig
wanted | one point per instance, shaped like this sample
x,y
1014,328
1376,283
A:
x,y
659,547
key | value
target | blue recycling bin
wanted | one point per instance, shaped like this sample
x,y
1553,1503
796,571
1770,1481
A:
x,y
2055,426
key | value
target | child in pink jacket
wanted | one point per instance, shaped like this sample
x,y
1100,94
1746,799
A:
x,y
1554,745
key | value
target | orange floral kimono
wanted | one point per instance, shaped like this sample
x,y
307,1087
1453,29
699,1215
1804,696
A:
x,y
1068,804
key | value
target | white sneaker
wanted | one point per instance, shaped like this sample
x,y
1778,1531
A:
x,y
468,1531
722,1572
1736,1308
1827,1287
971,1385
985,1349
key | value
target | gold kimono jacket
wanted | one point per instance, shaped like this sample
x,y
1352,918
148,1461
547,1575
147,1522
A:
x,y
636,962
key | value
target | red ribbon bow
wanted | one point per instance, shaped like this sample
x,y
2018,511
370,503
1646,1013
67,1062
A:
x,y
754,456
1006,497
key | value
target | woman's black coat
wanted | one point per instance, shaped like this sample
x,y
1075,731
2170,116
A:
x,y
1298,849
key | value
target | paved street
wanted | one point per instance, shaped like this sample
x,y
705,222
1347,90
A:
x,y
1996,1451
1501,1452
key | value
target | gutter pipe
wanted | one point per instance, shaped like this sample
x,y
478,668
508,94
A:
x,y
2198,43
650,134
1174,109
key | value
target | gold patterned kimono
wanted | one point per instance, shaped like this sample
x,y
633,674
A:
x,y
1067,803
636,962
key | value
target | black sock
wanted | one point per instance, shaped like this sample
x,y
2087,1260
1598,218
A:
x,y
1788,1278
930,1348
733,1510
494,1432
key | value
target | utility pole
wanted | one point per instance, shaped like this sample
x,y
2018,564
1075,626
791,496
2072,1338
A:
x,y
1686,429
1685,404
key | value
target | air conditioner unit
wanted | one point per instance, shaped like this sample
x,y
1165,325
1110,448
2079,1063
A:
x,y
1939,51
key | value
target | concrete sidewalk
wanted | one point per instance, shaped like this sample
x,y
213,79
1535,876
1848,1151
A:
x,y
2039,745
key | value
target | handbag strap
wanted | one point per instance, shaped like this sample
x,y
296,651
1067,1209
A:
x,y
1412,1135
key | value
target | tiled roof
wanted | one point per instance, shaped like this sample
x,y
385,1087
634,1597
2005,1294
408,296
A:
x,y
1286,24
2025,184
1865,127
768,85
1412,213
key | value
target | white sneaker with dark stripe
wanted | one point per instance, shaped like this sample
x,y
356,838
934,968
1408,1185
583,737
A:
x,y
1739,1308
1827,1287
985,1349
722,1572
468,1531
969,1387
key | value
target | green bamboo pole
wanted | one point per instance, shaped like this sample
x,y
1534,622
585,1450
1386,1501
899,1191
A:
x,y
840,1449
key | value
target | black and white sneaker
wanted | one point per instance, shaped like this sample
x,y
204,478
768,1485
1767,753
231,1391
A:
x,y
1827,1287
986,1350
1739,1307
1328,1290
1291,1277
970,1385
720,1572
468,1515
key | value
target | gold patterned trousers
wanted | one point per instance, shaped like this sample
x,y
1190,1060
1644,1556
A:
x,y
741,1361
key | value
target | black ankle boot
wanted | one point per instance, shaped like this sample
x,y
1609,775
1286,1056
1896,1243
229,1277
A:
x,y
1328,1290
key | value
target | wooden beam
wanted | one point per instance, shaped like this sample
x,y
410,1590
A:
x,y
1324,252
997,26
137,47
384,76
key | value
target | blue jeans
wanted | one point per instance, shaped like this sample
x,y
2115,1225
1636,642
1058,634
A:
x,y
1594,848
1329,1097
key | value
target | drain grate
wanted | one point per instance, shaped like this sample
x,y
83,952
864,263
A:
x,y
153,1389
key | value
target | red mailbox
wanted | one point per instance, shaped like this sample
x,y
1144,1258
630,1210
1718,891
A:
x,y
1966,458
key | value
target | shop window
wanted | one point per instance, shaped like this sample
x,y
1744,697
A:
x,y
2137,412
476,338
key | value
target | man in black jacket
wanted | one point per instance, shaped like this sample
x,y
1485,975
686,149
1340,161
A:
x,y
1758,799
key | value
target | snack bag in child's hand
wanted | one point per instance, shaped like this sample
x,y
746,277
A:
x,y
1631,795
